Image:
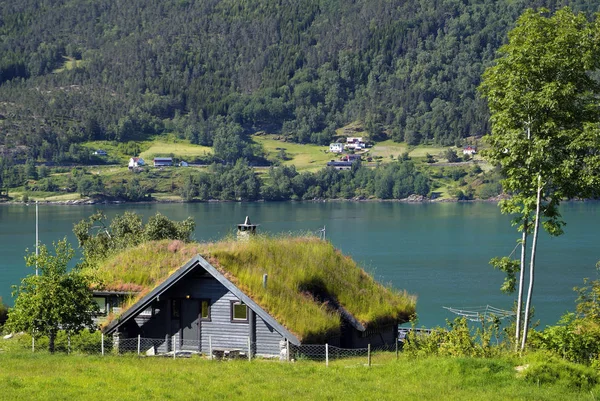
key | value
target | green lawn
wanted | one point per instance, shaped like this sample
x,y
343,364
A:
x,y
113,151
182,150
69,64
306,157
422,150
26,376
163,146
388,148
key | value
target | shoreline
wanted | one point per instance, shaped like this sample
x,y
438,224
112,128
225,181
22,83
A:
x,y
417,199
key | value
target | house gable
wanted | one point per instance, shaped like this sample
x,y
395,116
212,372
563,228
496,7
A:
x,y
194,265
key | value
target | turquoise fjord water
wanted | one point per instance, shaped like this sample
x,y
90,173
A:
x,y
440,252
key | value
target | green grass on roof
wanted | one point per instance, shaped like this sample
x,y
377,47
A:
x,y
306,278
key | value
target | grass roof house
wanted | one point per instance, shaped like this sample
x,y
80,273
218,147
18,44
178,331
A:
x,y
261,290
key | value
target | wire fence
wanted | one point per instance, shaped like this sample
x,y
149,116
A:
x,y
210,348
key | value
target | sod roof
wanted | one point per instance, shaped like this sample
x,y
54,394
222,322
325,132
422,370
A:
x,y
310,283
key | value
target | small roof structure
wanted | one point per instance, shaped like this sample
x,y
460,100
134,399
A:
x,y
246,227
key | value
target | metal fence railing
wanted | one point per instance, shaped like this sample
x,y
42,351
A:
x,y
327,353
210,348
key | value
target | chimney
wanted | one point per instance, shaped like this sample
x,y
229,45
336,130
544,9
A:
x,y
246,229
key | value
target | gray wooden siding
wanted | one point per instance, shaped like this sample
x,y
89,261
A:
x,y
220,331
267,339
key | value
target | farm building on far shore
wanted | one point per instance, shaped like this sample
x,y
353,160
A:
x,y
163,161
135,162
469,150
336,147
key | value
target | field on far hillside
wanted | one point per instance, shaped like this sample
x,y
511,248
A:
x,y
40,376
161,146
388,148
306,157
181,150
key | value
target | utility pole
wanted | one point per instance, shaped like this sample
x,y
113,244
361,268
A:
x,y
37,236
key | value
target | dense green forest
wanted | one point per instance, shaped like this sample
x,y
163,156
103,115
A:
x,y
215,71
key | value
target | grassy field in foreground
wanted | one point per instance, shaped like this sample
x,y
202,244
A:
x,y
26,376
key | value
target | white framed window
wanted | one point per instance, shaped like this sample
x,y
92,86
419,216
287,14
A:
x,y
239,312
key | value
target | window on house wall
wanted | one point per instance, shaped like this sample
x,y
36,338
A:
x,y
101,301
239,312
205,309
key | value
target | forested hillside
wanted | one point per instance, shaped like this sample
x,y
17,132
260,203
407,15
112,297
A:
x,y
215,71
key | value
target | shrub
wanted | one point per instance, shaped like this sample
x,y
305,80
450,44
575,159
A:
x,y
457,340
457,173
576,337
451,156
490,190
3,313
87,342
551,370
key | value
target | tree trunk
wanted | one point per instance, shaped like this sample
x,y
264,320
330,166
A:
x,y
521,283
532,262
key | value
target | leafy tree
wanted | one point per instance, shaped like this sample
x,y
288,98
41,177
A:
x,y
544,114
98,240
30,170
229,144
134,191
90,185
160,227
451,156
56,299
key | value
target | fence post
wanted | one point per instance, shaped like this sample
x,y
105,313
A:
x,y
174,347
210,353
287,350
116,348
32,343
139,344
326,355
249,349
369,354
102,344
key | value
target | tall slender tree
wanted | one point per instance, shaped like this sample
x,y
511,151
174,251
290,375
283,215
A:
x,y
544,106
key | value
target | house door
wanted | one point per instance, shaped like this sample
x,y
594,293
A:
x,y
190,324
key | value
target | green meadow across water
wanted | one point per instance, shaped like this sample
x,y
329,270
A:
x,y
440,251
